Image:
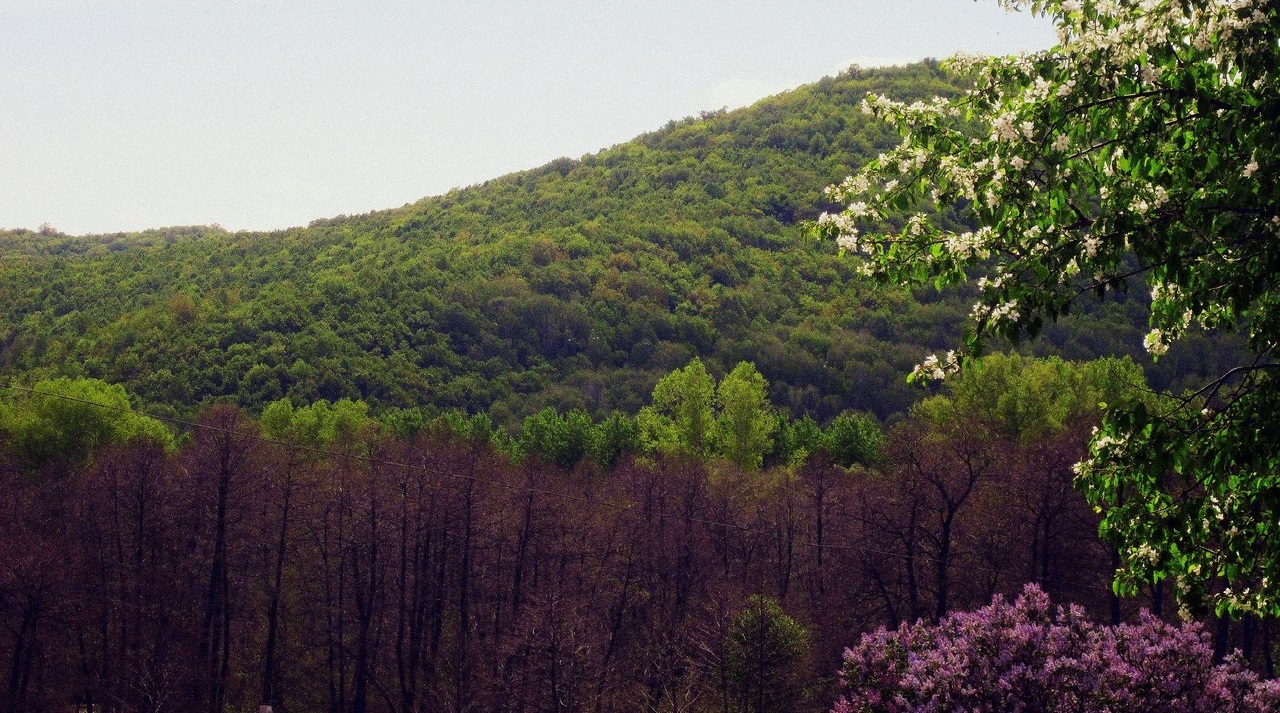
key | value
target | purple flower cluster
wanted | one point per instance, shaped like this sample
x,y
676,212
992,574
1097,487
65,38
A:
x,y
1031,656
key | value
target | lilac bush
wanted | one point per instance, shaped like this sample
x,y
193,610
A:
x,y
1031,656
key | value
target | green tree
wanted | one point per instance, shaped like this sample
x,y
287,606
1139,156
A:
x,y
403,423
765,658
853,438
1026,399
65,420
320,425
683,400
617,435
795,440
562,439
1140,148
745,424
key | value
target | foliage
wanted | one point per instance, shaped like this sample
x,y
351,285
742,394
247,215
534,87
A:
x,y
616,436
573,285
744,426
691,415
682,417
1028,400
476,428
765,657
734,420
65,420
1141,147
560,439
1029,656
853,438
402,423
794,440
319,425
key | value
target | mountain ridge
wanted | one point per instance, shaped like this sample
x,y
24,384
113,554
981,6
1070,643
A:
x,y
575,284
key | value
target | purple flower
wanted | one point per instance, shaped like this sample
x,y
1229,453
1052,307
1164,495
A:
x,y
1030,656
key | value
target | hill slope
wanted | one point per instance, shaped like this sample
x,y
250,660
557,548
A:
x,y
576,284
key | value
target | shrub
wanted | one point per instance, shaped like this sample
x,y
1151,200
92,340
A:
x,y
1030,656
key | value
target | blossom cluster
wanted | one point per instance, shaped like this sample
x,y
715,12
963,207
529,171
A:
x,y
1029,655
934,367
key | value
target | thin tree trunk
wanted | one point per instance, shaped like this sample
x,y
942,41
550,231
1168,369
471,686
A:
x,y
271,694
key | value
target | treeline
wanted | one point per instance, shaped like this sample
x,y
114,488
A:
x,y
576,285
689,415
317,559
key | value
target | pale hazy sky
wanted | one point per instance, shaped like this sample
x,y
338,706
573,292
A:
x,y
259,114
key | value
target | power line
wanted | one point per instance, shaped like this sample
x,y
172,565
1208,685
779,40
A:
x,y
647,512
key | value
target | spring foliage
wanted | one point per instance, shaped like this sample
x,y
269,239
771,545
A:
x,y
62,421
765,657
1139,149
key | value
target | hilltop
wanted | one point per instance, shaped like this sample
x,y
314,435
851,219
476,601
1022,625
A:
x,y
575,284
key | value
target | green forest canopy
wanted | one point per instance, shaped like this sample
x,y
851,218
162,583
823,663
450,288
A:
x,y
574,285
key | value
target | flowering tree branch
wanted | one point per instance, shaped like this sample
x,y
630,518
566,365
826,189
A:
x,y
1141,145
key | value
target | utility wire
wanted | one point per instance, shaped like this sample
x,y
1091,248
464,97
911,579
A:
x,y
647,512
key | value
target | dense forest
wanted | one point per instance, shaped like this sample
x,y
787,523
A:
x,y
319,559
574,285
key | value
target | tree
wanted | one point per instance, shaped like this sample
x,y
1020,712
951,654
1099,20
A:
x,y
66,420
854,438
1026,655
224,464
303,433
616,436
682,403
765,657
937,467
1141,147
745,425
1033,417
317,426
560,439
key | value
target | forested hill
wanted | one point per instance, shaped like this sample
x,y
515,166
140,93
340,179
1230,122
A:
x,y
576,284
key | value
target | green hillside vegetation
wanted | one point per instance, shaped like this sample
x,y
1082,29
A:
x,y
576,285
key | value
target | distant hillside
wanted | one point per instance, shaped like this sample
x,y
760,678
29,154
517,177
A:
x,y
576,284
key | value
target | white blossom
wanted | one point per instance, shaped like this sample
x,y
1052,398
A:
x,y
849,241
1145,552
1007,311
1002,128
1159,196
858,209
1156,342
993,284
934,368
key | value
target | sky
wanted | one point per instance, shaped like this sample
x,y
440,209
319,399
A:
x,y
121,115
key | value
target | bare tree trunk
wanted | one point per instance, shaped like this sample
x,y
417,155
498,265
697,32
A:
x,y
24,653
271,693
216,622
